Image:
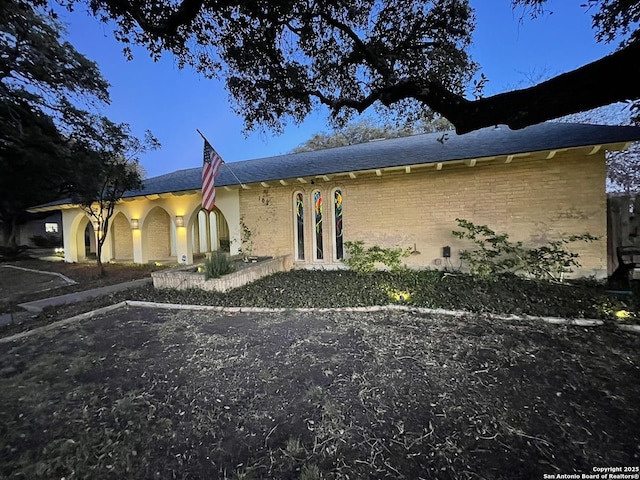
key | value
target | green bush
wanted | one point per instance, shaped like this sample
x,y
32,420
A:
x,y
217,264
363,260
496,254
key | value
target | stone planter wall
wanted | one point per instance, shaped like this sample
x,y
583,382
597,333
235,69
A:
x,y
183,278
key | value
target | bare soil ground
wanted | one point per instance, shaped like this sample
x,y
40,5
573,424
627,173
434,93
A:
x,y
143,393
17,286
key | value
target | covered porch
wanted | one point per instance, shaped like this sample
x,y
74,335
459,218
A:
x,y
166,228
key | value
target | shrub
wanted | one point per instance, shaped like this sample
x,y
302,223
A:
x,y
497,255
13,253
247,239
363,260
217,264
48,241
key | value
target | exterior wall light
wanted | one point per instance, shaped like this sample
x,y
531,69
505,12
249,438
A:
x,y
135,224
179,221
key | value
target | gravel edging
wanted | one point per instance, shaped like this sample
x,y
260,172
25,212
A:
x,y
579,322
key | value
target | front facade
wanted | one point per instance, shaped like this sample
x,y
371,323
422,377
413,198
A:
x,y
534,199
537,184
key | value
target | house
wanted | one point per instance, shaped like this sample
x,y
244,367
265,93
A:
x,y
536,184
39,230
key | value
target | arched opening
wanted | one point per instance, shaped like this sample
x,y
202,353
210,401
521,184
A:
x,y
122,238
210,232
85,240
318,244
338,243
298,225
156,235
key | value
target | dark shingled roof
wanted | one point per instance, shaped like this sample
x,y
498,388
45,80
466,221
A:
x,y
396,152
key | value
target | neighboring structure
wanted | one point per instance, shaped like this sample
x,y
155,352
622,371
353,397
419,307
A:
x,y
40,230
536,184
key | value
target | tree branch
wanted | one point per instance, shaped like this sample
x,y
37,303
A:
x,y
608,80
603,82
184,14
374,60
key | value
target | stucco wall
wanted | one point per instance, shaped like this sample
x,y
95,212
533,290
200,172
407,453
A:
x,y
532,199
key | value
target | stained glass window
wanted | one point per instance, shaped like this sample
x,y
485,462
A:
x,y
337,215
299,208
317,200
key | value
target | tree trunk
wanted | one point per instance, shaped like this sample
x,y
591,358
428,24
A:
x,y
4,233
8,232
99,244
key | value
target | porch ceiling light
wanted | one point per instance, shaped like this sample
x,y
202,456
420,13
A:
x,y
179,221
135,224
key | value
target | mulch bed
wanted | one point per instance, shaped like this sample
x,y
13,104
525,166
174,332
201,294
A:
x,y
146,393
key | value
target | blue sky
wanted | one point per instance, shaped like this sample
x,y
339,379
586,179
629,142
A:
x,y
172,103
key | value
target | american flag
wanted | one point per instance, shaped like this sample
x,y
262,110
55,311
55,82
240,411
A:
x,y
210,168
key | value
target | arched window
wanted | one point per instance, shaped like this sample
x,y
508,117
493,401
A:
x,y
298,230
210,232
317,216
338,247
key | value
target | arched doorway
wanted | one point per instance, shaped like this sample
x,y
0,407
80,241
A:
x,y
210,232
85,240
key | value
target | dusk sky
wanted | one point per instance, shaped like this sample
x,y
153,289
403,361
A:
x,y
172,103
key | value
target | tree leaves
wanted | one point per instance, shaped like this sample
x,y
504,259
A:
x,y
281,59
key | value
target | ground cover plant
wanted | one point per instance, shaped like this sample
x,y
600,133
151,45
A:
x,y
432,289
145,393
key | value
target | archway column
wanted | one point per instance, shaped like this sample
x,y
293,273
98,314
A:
x,y
229,206
107,246
184,248
70,224
138,253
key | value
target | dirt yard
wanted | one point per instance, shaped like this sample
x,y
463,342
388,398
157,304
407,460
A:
x,y
143,393
18,286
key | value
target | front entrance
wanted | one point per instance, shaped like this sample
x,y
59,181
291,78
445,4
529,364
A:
x,y
210,233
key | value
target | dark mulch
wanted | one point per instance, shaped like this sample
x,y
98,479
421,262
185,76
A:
x,y
142,393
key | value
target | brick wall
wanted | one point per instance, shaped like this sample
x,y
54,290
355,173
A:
x,y
532,199
122,238
157,235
